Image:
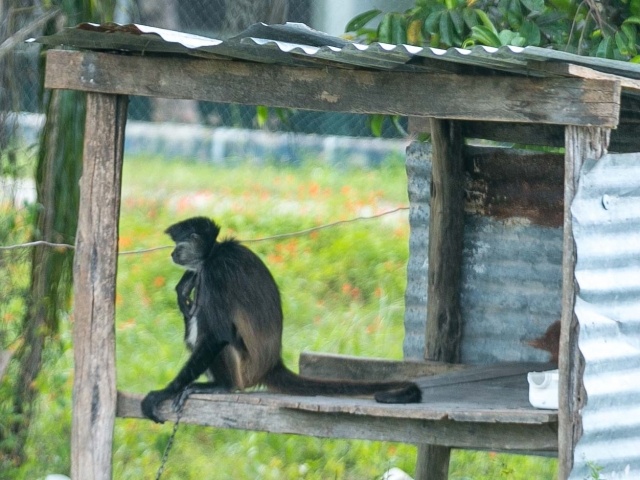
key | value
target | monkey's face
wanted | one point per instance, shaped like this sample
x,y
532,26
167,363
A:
x,y
188,253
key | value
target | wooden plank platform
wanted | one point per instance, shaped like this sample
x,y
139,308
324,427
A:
x,y
477,408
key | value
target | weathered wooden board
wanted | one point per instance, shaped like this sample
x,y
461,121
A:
x,y
94,281
446,227
569,69
581,144
571,101
358,419
344,367
624,139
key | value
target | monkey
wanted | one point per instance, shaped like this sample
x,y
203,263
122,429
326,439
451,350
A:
x,y
233,318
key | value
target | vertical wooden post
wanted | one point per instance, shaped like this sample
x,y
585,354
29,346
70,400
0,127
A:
x,y
94,272
446,228
580,143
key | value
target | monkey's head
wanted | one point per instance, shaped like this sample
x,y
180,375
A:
x,y
194,239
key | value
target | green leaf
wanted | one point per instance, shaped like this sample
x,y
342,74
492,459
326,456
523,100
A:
x,y
621,42
485,36
605,48
535,6
375,123
530,32
635,59
484,18
432,21
457,20
470,17
506,37
398,29
632,34
514,14
518,41
262,115
359,21
446,29
395,120
384,29
635,20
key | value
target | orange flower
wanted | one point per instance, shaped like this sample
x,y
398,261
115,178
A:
x,y
314,189
125,242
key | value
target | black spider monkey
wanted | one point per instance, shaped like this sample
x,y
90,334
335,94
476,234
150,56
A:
x,y
233,326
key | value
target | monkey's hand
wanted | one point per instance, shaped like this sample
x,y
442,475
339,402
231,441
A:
x,y
184,289
208,388
152,400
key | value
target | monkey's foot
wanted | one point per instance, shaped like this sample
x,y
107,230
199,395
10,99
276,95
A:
x,y
180,399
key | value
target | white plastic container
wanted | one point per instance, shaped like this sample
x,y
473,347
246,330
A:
x,y
543,389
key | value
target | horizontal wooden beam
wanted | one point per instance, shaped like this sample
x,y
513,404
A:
x,y
349,419
345,367
564,101
624,139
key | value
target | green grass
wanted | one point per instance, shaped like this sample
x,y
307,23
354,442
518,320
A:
x,y
342,290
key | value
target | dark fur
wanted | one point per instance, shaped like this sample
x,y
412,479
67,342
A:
x,y
237,309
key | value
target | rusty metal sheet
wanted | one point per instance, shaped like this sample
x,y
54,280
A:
x,y
512,263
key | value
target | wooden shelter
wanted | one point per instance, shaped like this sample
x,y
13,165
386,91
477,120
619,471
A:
x,y
526,97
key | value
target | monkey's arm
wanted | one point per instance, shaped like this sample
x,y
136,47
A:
x,y
184,288
201,358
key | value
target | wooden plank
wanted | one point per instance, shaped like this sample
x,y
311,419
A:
x,y
432,462
581,143
496,98
264,412
345,367
624,139
94,275
570,69
521,133
482,372
446,228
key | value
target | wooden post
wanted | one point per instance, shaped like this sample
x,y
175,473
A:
x,y
94,276
580,143
446,227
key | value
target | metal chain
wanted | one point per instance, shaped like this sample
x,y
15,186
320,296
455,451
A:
x,y
167,449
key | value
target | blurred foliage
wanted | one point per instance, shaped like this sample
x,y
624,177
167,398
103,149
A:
x,y
600,28
57,173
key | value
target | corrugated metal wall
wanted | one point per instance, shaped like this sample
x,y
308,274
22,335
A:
x,y
511,292
418,164
511,285
606,219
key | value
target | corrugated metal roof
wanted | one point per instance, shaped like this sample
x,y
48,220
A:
x,y
297,44
606,223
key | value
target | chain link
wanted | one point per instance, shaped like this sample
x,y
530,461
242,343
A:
x,y
167,449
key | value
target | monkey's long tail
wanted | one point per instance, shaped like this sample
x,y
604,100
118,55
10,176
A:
x,y
281,379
